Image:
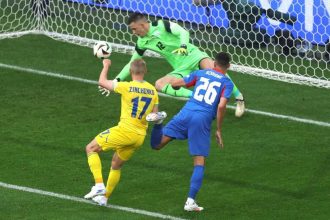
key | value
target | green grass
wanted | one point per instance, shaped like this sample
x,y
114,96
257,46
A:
x,y
270,168
19,205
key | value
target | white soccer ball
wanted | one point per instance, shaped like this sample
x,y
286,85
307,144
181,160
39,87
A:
x,y
102,49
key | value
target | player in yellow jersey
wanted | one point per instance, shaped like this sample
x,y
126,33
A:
x,y
138,99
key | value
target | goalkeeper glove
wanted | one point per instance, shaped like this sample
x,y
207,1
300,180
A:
x,y
104,91
182,50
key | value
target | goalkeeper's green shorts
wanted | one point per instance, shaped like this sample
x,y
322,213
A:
x,y
189,63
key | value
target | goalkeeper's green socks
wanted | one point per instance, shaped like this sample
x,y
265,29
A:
x,y
237,94
182,92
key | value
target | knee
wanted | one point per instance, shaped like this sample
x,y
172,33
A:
x,y
199,161
90,148
159,84
115,165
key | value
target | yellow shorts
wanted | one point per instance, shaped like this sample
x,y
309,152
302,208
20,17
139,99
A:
x,y
125,143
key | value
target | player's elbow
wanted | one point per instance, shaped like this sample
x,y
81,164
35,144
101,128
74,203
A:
x,y
221,109
222,105
103,83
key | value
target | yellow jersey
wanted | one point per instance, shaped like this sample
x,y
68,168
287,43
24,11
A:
x,y
137,101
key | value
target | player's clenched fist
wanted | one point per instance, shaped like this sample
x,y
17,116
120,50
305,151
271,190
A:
x,y
106,62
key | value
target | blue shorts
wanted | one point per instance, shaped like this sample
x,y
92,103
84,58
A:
x,y
194,126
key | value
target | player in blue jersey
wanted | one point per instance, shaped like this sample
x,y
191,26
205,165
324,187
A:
x,y
209,99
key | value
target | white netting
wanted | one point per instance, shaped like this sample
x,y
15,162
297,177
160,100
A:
x,y
282,40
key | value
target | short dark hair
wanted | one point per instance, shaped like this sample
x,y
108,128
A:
x,y
135,17
223,59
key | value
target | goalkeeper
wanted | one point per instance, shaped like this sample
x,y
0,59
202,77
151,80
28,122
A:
x,y
171,41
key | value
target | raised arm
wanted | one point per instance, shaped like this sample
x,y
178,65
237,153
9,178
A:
x,y
179,31
103,79
184,38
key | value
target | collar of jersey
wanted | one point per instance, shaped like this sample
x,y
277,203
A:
x,y
151,31
219,71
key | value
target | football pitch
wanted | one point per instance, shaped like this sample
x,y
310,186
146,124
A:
x,y
275,164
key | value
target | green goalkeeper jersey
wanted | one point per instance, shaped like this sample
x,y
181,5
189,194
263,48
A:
x,y
163,37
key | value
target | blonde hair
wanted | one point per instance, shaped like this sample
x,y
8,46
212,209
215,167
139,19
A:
x,y
138,67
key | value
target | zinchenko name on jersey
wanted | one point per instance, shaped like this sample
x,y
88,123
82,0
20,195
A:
x,y
141,90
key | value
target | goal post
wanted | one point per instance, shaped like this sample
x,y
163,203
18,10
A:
x,y
280,40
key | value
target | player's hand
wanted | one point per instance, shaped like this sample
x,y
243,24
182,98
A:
x,y
181,51
106,62
104,91
219,139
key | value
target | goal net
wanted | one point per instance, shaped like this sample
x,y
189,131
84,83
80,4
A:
x,y
282,40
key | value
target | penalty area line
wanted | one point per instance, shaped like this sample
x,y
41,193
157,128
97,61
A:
x,y
81,200
68,77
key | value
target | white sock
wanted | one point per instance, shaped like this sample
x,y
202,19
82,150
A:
x,y
159,122
240,96
100,185
190,200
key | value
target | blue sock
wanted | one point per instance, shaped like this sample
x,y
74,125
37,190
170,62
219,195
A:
x,y
196,181
156,135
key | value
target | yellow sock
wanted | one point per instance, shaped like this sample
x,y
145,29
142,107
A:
x,y
113,179
95,165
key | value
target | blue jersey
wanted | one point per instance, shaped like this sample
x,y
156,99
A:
x,y
210,86
195,118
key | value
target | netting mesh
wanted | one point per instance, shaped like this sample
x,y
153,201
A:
x,y
282,40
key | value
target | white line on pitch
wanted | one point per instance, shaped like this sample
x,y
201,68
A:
x,y
67,76
76,199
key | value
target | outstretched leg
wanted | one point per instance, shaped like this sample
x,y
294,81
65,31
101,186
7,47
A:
x,y
163,86
158,140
